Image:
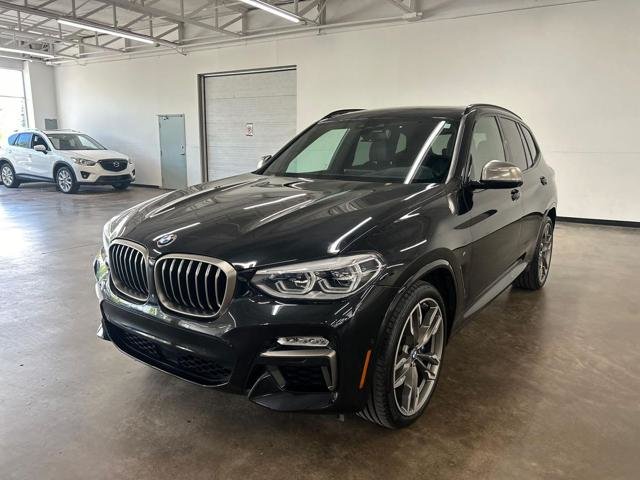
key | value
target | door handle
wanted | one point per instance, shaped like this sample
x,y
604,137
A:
x,y
515,194
543,180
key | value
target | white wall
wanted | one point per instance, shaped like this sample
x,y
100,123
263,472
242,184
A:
x,y
40,90
572,71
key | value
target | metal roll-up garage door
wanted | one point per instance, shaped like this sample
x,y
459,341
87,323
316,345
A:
x,y
247,115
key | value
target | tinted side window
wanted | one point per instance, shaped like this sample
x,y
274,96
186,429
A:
x,y
38,140
530,143
24,140
514,142
486,145
12,139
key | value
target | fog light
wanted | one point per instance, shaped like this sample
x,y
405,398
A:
x,y
85,175
303,341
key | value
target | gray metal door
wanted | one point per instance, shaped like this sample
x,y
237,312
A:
x,y
247,115
173,159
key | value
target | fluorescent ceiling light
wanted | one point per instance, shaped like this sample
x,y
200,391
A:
x,y
273,10
108,31
33,53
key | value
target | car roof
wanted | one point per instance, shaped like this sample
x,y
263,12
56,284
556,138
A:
x,y
453,113
399,112
66,130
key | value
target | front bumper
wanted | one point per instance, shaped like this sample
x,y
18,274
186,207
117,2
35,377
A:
x,y
238,352
97,175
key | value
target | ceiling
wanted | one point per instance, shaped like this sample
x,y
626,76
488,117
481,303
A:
x,y
62,31
37,29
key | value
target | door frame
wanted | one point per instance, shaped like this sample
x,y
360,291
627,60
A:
x,y
202,107
184,136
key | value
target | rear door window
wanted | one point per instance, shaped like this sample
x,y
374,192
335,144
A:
x,y
12,139
24,140
531,144
514,143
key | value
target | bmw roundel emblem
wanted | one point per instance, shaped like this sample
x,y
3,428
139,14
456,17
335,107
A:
x,y
167,239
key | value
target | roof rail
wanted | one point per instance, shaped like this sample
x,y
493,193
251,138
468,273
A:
x,y
489,105
341,112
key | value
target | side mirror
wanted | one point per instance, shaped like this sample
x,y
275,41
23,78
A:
x,y
497,174
40,148
263,161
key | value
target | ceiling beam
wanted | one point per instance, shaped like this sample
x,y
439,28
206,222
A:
x,y
57,16
156,12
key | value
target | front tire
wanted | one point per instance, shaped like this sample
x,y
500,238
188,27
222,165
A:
x,y
8,176
66,180
535,275
410,358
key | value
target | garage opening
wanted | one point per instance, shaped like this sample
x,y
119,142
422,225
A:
x,y
244,116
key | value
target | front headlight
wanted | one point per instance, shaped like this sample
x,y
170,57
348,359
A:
x,y
328,279
84,162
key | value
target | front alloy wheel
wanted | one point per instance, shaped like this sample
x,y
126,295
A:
x,y
66,181
409,360
417,359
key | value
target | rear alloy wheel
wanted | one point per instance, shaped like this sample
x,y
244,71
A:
x,y
408,367
8,176
537,272
66,180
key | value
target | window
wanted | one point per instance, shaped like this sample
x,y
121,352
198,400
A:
x,y
531,144
369,149
13,109
38,140
73,141
24,140
317,155
12,139
514,143
486,145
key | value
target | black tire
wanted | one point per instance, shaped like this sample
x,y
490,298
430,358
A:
x,y
8,176
66,180
532,277
382,406
121,186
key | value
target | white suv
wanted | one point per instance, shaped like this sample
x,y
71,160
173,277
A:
x,y
65,157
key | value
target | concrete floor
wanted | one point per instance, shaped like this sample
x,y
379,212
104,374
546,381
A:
x,y
540,385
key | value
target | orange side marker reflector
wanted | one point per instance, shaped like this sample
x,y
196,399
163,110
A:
x,y
364,369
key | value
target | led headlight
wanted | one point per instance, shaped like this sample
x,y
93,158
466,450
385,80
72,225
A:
x,y
322,280
85,162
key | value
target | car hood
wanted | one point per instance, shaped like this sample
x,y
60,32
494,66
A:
x,y
95,155
254,220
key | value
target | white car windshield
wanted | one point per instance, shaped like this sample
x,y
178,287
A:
x,y
74,141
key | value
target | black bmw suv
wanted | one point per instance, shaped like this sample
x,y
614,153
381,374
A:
x,y
331,278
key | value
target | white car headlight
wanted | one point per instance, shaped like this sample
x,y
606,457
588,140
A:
x,y
83,161
328,279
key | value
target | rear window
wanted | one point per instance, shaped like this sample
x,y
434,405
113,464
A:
x,y
12,139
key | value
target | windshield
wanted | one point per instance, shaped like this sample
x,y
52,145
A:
x,y
376,150
74,141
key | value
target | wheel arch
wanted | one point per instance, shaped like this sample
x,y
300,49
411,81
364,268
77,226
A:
x,y
57,165
446,276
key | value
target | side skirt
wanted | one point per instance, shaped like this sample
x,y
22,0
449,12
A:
x,y
497,288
